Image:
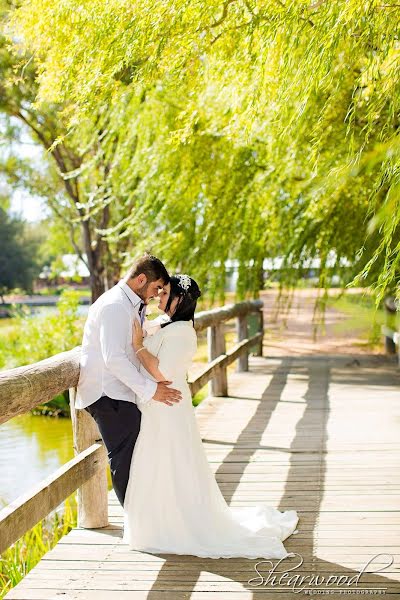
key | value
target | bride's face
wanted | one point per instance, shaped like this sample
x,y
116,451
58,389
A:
x,y
164,296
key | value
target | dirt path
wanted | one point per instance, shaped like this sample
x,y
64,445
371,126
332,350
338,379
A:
x,y
292,331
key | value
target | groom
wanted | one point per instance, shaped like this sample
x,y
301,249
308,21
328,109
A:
x,y
109,380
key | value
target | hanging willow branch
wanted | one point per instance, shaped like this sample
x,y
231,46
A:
x,y
309,91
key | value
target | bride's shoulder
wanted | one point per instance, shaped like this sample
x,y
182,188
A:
x,y
179,338
179,329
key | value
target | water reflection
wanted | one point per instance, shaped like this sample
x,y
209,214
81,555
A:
x,y
31,448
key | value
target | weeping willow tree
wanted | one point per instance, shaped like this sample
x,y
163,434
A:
x,y
244,130
72,177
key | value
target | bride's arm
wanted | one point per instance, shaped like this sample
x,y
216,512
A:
x,y
146,358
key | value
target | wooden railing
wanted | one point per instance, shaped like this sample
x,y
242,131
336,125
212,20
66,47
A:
x,y
24,388
389,329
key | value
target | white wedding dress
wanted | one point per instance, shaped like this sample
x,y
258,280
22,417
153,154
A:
x,y
173,504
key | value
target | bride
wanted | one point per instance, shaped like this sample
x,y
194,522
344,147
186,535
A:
x,y
173,504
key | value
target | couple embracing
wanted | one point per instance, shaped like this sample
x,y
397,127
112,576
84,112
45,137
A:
x,y
133,382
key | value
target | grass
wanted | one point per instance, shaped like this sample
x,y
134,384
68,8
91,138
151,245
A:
x,y
22,556
200,396
362,317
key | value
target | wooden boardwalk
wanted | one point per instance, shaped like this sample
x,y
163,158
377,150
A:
x,y
319,434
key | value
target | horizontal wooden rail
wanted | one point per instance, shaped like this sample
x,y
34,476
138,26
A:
x,y
24,388
30,508
214,316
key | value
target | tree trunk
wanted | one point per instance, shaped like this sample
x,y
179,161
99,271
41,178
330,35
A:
x,y
97,286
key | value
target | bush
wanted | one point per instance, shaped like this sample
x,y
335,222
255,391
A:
x,y
31,339
35,338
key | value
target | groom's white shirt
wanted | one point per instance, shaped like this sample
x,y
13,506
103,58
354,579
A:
x,y
108,364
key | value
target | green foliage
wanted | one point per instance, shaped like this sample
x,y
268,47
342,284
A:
x,y
244,130
53,241
30,339
77,195
22,556
33,339
18,262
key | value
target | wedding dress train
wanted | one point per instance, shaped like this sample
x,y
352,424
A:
x,y
173,504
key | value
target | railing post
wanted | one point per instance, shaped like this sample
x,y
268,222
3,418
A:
x,y
242,331
390,325
218,386
396,339
93,495
259,351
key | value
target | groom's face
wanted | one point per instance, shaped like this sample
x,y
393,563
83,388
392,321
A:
x,y
150,289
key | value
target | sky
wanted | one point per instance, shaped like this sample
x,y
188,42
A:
x,y
28,207
31,208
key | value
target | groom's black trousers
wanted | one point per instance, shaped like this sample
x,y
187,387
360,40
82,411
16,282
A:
x,y
119,425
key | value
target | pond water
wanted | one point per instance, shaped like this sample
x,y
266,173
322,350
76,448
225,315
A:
x,y
31,448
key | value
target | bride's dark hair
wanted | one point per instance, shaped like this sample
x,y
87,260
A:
x,y
187,291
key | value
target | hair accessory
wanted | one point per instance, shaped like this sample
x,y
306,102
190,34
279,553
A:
x,y
184,282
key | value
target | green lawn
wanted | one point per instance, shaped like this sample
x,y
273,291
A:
x,y
361,317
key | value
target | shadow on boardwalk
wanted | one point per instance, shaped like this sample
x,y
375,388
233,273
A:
x,y
308,456
318,434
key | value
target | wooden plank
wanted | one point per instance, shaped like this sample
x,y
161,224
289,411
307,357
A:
x,y
148,568
303,537
130,582
121,552
53,594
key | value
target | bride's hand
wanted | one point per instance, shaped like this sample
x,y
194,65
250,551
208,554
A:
x,y
137,335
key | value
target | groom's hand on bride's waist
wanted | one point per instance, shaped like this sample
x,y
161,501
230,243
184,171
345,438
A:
x,y
166,394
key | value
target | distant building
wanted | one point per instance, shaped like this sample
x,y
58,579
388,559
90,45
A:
x,y
69,268
272,268
74,267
